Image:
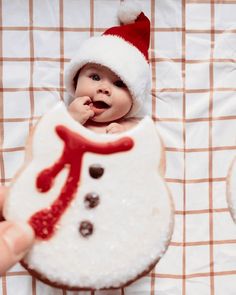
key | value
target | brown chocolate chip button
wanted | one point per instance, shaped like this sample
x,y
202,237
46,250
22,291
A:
x,y
86,228
91,200
96,171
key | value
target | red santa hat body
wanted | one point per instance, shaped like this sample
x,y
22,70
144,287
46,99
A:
x,y
124,50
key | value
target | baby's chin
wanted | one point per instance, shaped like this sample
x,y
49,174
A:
x,y
104,117
100,121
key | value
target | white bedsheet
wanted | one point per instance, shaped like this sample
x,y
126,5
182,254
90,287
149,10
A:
x,y
193,55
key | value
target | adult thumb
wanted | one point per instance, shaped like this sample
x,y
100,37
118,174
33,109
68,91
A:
x,y
15,240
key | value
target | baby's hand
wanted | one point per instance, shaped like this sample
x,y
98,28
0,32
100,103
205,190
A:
x,y
80,109
115,128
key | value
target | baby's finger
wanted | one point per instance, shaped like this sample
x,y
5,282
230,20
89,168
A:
x,y
109,129
91,113
112,130
85,100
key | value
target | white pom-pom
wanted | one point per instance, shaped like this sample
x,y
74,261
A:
x,y
129,11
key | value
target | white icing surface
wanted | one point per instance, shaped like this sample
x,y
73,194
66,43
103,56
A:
x,y
132,223
231,189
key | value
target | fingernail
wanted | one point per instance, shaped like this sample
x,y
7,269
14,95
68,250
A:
x,y
18,236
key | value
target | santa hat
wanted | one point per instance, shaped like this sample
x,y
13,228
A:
x,y
124,50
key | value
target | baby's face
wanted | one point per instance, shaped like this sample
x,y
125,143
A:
x,y
111,99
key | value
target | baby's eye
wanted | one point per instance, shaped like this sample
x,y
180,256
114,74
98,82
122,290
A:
x,y
95,77
120,84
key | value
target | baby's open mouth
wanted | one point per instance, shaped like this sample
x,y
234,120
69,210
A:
x,y
100,105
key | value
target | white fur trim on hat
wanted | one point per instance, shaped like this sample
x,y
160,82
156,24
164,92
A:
x,y
129,11
122,58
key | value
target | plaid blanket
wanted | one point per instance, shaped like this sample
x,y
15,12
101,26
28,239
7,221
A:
x,y
193,103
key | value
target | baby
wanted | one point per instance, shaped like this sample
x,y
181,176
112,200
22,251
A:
x,y
109,79
102,100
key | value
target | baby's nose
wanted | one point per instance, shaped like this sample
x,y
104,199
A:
x,y
104,89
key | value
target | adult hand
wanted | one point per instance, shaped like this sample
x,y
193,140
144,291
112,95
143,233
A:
x,y
15,239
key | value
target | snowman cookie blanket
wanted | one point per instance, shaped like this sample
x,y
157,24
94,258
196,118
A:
x,y
99,206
